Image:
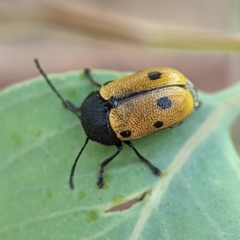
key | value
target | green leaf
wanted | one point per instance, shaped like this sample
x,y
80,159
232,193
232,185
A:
x,y
197,197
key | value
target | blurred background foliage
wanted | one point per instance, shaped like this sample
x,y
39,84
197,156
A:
x,y
199,38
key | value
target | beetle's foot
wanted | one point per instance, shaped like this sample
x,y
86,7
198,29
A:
x,y
156,171
100,182
69,105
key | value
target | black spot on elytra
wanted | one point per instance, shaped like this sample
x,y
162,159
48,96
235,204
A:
x,y
126,133
164,102
154,75
158,124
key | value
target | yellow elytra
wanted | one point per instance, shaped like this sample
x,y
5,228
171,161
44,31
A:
x,y
149,101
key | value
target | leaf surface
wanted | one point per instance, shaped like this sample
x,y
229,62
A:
x,y
197,197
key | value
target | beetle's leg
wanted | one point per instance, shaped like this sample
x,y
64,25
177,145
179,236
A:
x,y
154,169
88,74
75,164
100,182
70,106
77,109
67,104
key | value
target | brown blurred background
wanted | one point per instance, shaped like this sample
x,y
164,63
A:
x,y
200,38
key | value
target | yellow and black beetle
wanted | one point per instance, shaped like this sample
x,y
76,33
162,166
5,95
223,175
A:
x,y
148,101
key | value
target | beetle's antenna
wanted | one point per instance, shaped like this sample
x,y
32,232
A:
x,y
65,103
75,164
90,77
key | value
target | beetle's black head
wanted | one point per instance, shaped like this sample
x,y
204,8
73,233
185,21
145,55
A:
x,y
95,120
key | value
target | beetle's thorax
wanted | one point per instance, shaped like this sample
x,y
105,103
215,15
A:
x,y
95,120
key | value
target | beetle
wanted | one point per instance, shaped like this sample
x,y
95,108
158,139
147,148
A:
x,y
131,107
